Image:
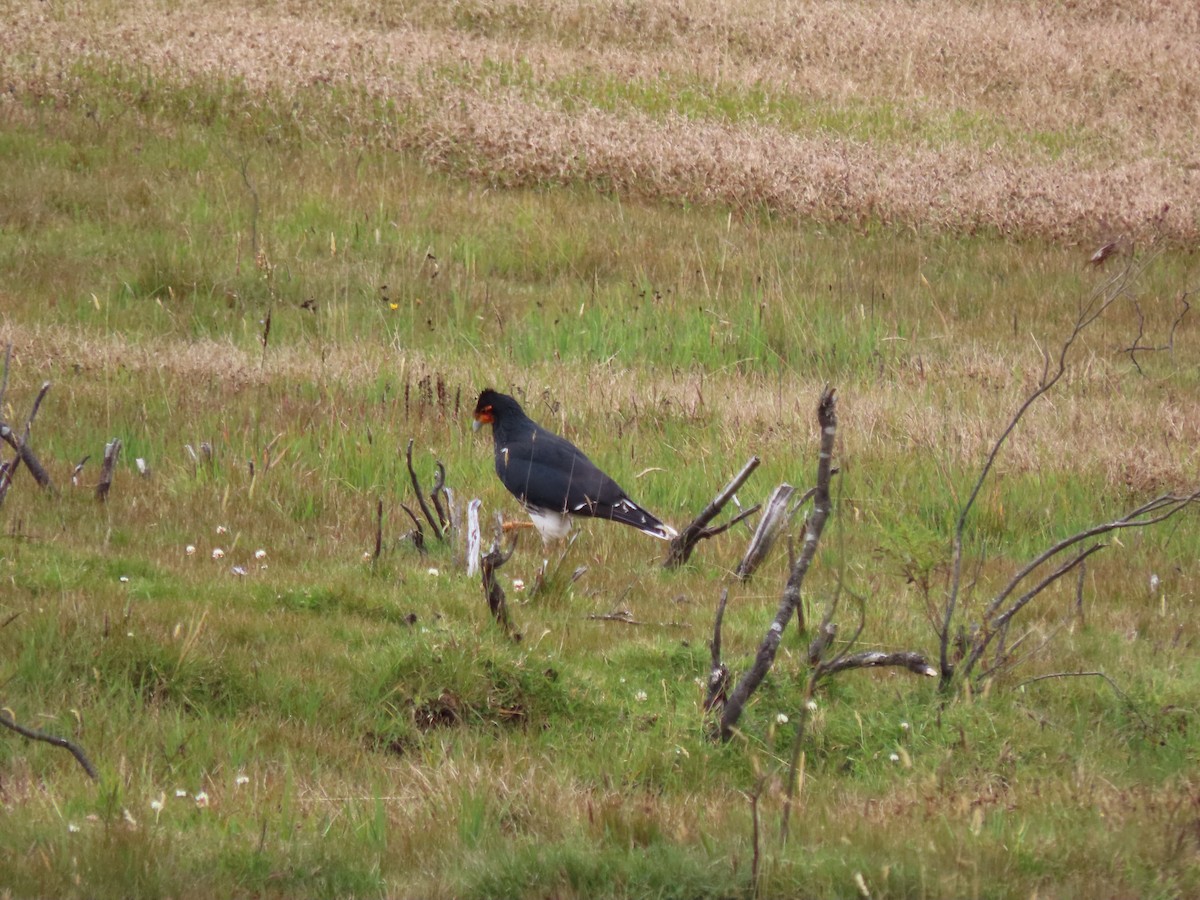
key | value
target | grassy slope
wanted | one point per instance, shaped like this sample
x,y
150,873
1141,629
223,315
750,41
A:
x,y
348,748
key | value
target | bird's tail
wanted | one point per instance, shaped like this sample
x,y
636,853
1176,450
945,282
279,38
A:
x,y
629,513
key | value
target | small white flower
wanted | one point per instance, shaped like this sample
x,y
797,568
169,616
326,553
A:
x,y
201,799
218,553
781,719
904,726
190,549
124,579
518,584
128,817
811,705
894,757
156,805
366,556
1154,583
260,554
640,696
238,570
129,634
434,572
180,792
242,779
73,828
221,529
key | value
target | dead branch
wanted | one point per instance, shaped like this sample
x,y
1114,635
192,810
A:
x,y
789,604
10,723
1052,372
775,516
1138,347
378,528
997,615
111,451
418,533
874,659
1112,684
474,537
416,483
697,530
492,591
718,676
21,445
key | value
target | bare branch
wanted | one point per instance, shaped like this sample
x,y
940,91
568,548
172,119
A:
x,y
494,594
378,528
1112,684
418,533
416,483
696,531
35,735
775,516
439,482
789,604
873,659
1096,304
111,451
718,675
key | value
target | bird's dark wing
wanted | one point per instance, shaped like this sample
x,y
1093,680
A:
x,y
546,471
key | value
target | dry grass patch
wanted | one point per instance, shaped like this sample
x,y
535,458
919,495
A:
x,y
949,115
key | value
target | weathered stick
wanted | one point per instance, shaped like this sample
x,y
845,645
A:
x,y
21,445
496,601
378,528
418,533
697,530
1053,371
868,659
789,604
775,516
111,450
34,735
474,537
718,675
416,483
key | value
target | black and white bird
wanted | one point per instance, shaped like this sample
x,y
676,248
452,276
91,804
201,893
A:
x,y
551,477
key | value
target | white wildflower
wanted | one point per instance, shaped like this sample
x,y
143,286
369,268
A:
x,y
221,529
124,579
640,696
242,779
434,572
190,549
260,554
218,553
73,828
781,719
201,799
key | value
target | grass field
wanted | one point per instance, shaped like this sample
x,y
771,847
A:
x,y
665,226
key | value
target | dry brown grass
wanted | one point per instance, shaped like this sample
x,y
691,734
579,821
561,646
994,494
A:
x,y
1076,121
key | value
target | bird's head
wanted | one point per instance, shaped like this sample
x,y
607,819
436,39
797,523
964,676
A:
x,y
490,405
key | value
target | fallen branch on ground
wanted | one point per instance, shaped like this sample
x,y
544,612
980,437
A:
x,y
10,723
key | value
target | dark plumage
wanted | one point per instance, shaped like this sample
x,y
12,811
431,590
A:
x,y
551,477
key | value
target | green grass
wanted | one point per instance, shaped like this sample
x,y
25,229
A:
x,y
363,728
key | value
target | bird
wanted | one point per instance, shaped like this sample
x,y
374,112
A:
x,y
551,477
